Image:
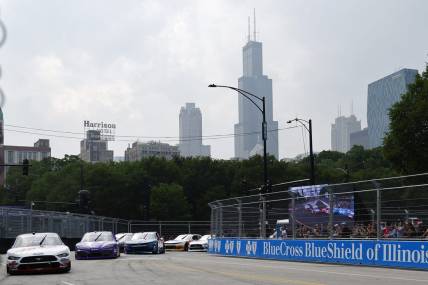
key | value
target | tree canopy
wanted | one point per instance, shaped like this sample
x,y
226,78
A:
x,y
181,188
406,144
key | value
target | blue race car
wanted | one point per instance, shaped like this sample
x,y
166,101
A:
x,y
95,245
145,242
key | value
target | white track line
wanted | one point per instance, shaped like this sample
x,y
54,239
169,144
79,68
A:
x,y
285,267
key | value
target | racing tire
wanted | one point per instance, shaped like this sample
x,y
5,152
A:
x,y
186,247
156,251
66,270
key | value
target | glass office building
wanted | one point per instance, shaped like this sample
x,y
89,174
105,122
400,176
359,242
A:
x,y
382,94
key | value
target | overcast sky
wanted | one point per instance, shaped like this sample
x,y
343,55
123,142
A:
x,y
135,63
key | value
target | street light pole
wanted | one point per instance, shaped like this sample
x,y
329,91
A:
x,y
249,95
311,150
264,137
311,153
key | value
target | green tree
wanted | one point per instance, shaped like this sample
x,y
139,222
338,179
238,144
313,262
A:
x,y
406,144
168,202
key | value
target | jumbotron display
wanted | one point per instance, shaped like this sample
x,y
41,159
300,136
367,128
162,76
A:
x,y
312,206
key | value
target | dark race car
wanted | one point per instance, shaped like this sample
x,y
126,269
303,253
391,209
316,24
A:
x,y
122,238
36,253
145,242
97,245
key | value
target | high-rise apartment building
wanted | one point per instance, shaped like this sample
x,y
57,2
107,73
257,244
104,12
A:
x,y
94,149
140,150
360,138
248,130
191,132
382,94
341,131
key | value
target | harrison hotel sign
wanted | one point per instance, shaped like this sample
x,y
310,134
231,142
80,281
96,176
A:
x,y
107,130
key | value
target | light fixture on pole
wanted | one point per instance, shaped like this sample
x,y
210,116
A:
x,y
308,126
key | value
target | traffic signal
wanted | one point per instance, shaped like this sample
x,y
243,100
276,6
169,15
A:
x,y
25,167
84,199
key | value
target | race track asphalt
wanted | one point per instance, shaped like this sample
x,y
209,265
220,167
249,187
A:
x,y
193,268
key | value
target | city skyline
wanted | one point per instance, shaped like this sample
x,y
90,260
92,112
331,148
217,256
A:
x,y
73,72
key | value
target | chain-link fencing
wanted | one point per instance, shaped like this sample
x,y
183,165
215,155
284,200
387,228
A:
x,y
395,207
15,221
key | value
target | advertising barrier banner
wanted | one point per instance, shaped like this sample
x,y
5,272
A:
x,y
400,254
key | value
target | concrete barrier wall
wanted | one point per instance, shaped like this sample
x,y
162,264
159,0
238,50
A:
x,y
399,254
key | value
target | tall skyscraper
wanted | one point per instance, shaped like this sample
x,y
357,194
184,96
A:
x,y
382,94
248,136
341,132
94,149
191,132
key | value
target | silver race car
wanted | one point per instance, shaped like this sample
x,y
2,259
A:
x,y
38,252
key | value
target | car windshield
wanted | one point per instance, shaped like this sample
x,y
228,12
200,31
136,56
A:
x,y
205,237
145,236
182,237
103,236
123,237
37,240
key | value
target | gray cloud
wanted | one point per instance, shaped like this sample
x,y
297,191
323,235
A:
x,y
136,62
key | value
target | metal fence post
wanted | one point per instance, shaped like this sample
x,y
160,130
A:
x,y
263,218
160,228
239,218
220,209
293,217
211,219
378,213
330,212
31,216
188,227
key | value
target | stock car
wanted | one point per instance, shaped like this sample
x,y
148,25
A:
x,y
95,245
200,244
38,252
121,238
181,242
145,242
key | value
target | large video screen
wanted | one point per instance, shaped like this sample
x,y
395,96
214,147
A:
x,y
312,206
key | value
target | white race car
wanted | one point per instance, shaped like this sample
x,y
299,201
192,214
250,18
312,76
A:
x,y
200,244
181,242
38,252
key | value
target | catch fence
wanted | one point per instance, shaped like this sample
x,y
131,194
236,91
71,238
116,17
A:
x,y
395,207
15,221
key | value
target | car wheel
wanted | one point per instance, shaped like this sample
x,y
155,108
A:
x,y
186,247
66,269
155,250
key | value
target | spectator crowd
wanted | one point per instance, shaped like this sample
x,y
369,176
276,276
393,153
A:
x,y
395,230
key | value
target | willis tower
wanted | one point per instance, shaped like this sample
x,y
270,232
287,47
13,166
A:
x,y
248,136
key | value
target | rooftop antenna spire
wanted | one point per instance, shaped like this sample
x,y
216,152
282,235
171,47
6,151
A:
x,y
249,32
254,24
352,107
